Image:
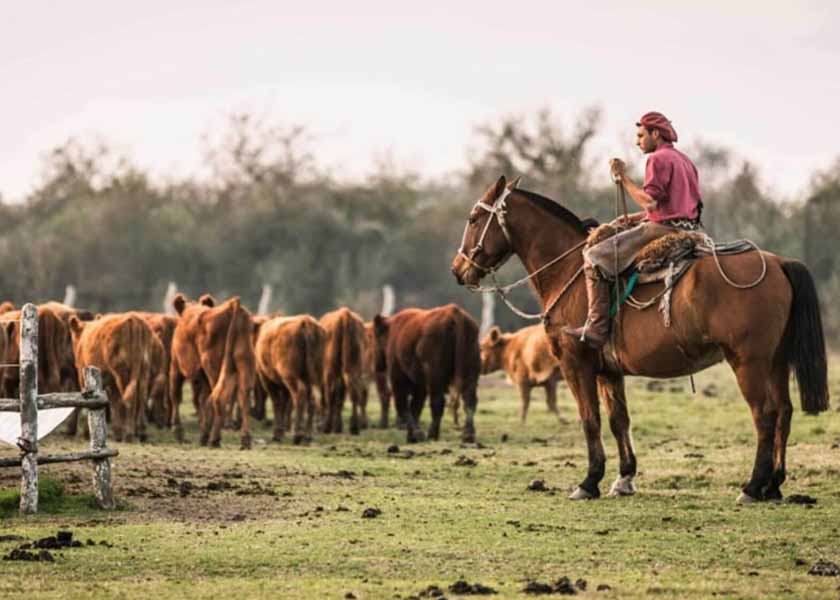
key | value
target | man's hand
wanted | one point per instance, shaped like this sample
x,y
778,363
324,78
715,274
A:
x,y
617,169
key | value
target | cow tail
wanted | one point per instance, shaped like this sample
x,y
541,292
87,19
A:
x,y
227,358
466,340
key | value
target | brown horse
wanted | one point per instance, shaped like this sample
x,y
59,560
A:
x,y
764,332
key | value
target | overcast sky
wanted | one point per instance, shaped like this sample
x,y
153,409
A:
x,y
412,79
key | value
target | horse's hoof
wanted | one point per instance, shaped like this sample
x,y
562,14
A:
x,y
744,498
581,494
245,442
468,437
216,443
622,486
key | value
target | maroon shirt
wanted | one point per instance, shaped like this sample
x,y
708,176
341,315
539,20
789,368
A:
x,y
671,180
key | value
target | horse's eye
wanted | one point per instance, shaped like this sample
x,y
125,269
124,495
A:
x,y
472,220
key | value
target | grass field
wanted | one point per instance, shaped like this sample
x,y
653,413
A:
x,y
283,521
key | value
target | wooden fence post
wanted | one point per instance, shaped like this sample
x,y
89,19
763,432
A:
x,y
98,425
28,441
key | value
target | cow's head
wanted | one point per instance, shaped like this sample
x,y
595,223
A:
x,y
492,350
77,326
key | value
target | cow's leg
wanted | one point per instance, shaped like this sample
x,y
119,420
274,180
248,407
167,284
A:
x,y
221,394
116,412
258,411
361,395
72,423
455,406
244,389
524,401
612,393
203,408
354,387
301,397
400,391
340,391
176,395
384,398
551,398
437,404
580,377
279,396
415,410
470,397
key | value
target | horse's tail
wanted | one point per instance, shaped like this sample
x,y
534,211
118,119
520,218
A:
x,y
804,344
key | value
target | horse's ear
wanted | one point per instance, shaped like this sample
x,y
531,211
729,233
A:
x,y
500,187
515,183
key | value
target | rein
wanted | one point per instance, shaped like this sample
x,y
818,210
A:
x,y
499,209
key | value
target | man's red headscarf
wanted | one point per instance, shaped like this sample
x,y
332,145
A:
x,y
656,120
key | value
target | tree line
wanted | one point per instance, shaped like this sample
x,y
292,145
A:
x,y
270,214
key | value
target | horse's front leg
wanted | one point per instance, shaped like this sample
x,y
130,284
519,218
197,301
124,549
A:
x,y
612,392
580,377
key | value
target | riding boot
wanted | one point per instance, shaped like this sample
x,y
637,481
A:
x,y
595,331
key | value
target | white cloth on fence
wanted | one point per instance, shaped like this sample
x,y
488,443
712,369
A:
x,y
48,420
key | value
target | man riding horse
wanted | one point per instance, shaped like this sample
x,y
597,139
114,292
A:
x,y
670,198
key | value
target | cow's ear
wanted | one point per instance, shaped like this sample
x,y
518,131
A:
x,y
207,300
179,303
495,334
380,325
76,325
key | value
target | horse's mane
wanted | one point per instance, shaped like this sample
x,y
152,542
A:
x,y
559,211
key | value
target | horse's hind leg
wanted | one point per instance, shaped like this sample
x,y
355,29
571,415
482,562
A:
x,y
780,395
612,392
753,377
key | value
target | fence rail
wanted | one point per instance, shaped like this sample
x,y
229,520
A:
x,y
93,398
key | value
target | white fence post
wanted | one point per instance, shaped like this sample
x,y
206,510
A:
x,y
28,441
98,426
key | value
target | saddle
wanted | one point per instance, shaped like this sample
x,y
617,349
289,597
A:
x,y
665,260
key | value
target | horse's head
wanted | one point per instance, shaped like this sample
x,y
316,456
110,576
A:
x,y
486,243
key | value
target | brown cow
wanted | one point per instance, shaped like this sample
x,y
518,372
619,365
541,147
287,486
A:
x,y
53,348
429,352
163,326
343,369
526,358
380,378
68,372
289,365
212,347
120,346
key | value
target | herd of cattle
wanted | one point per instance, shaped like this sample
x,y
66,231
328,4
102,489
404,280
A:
x,y
235,362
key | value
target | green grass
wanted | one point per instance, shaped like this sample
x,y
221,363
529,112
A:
x,y
51,500
302,535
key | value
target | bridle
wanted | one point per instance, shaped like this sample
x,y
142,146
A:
x,y
499,210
